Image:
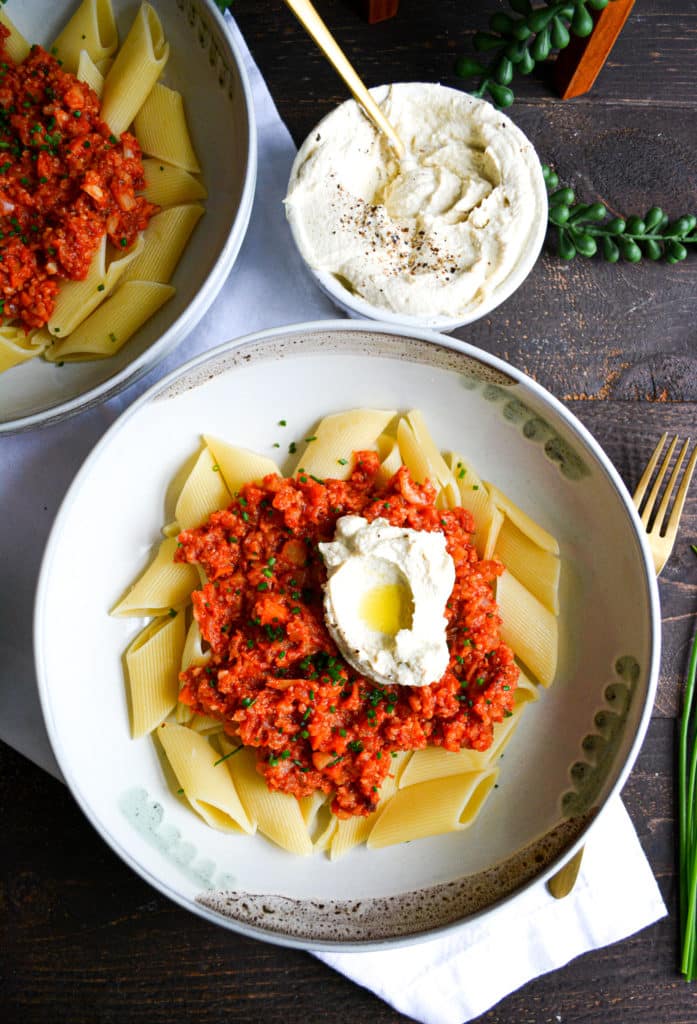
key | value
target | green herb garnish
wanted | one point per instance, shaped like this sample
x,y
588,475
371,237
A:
x,y
225,756
687,820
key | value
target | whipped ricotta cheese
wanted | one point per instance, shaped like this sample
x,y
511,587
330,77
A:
x,y
432,234
384,600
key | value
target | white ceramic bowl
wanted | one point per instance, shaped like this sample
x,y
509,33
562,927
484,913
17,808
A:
x,y
585,731
359,308
206,66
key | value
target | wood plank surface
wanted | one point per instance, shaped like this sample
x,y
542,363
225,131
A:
x,y
85,940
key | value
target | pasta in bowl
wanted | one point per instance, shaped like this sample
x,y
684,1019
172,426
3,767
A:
x,y
336,755
106,175
513,809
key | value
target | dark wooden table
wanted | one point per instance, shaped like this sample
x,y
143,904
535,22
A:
x,y
85,940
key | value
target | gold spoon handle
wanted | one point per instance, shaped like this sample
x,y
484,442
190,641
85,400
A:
x,y
311,21
561,884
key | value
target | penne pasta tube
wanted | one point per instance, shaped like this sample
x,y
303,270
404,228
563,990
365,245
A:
x,y
137,67
390,458
432,808
92,29
535,568
17,347
438,471
165,585
152,662
276,814
329,448
170,186
204,491
201,772
87,71
349,832
77,299
16,46
163,242
522,520
113,323
529,629
238,466
162,131
474,496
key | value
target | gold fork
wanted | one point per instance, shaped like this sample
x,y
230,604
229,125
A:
x,y
661,530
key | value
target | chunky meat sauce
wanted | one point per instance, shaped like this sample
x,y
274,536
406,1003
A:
x,y
275,677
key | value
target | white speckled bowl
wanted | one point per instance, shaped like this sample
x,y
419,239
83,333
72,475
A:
x,y
359,308
207,68
574,747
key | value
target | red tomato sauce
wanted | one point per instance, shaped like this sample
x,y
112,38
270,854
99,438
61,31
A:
x,y
276,679
65,181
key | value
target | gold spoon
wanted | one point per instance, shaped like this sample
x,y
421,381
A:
x,y
311,21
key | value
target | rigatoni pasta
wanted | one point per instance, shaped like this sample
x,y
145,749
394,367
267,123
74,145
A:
x,y
425,788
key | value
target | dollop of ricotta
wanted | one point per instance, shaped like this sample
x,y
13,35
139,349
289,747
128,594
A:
x,y
432,234
384,599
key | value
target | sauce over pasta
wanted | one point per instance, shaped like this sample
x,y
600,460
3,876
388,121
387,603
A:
x,y
65,181
275,677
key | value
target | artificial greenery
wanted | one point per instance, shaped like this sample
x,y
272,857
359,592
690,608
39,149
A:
x,y
586,228
518,44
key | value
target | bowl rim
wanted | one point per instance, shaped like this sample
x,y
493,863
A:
x,y
197,308
357,306
313,327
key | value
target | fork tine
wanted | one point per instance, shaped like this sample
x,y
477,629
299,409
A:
x,y
648,472
663,507
673,522
651,500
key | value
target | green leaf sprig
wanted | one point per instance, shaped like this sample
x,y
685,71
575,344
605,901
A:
x,y
584,229
518,44
687,820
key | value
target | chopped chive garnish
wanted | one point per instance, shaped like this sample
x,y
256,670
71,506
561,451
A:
x,y
225,756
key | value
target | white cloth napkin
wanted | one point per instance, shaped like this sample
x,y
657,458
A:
x,y
447,980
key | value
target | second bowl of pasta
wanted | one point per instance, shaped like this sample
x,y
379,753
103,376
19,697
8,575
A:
x,y
124,203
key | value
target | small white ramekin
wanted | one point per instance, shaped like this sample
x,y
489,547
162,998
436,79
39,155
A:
x,y
358,308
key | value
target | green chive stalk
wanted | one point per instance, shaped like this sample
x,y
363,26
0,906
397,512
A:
x,y
687,843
